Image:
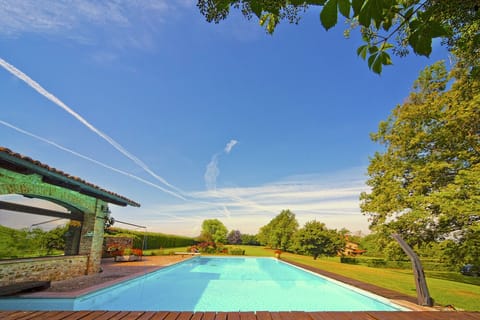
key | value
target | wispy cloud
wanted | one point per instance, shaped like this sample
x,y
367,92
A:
x,y
332,199
212,171
57,17
230,146
120,24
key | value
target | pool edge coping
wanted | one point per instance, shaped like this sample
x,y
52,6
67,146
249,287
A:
x,y
399,299
89,290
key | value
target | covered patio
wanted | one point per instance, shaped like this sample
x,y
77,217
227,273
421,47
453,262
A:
x,y
86,209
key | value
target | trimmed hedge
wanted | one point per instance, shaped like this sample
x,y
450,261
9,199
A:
x,y
237,251
382,263
152,240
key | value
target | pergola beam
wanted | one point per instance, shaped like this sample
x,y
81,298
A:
x,y
40,211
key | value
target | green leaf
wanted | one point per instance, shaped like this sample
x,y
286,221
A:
x,y
421,42
414,24
387,23
362,51
365,14
263,19
328,16
386,46
357,6
371,60
437,29
256,8
344,8
377,66
377,12
385,58
272,23
222,4
377,60
372,49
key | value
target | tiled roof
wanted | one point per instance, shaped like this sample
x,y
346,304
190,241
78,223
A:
x,y
26,165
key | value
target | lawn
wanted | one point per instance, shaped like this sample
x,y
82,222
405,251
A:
x,y
446,288
164,252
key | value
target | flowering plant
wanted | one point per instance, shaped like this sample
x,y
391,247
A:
x,y
114,251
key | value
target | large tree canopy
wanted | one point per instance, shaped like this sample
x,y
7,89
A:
x,y
279,232
315,239
214,230
426,183
385,25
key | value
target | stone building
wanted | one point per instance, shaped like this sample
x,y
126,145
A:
x,y
87,206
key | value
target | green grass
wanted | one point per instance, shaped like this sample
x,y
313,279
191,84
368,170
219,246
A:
x,y
164,252
463,296
255,251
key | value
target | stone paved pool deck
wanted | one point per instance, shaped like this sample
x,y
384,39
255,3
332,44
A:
x,y
113,273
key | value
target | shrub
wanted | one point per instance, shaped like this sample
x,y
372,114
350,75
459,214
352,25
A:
x,y
237,251
348,260
376,263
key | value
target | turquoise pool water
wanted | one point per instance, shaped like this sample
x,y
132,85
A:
x,y
219,284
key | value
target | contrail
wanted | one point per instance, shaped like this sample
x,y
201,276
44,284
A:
x,y
216,194
179,193
91,160
37,87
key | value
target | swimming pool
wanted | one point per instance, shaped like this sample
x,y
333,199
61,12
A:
x,y
219,284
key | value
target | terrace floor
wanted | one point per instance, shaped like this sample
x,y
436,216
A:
x,y
138,315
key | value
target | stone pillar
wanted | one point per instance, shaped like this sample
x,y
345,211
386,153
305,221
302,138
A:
x,y
91,240
72,238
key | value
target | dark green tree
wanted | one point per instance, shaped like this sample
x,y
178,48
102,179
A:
x,y
425,185
315,239
263,235
54,239
278,233
234,237
214,230
385,25
250,239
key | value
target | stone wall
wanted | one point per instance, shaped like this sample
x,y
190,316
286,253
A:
x,y
42,269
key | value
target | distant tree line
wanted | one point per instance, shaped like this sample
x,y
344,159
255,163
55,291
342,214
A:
x,y
213,230
283,233
26,243
313,239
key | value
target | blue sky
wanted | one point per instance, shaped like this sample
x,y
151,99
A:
x,y
216,121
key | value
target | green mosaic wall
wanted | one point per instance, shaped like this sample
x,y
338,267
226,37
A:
x,y
91,238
